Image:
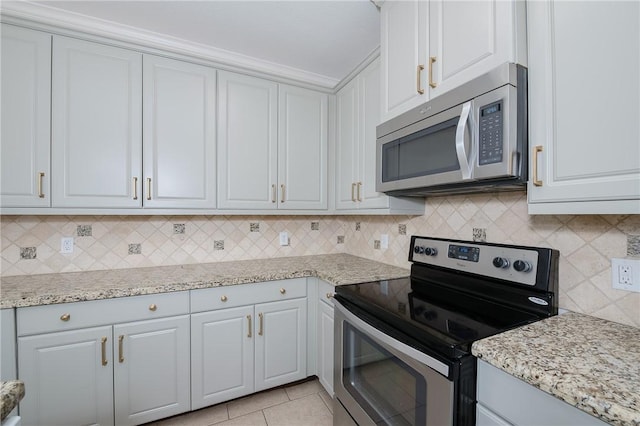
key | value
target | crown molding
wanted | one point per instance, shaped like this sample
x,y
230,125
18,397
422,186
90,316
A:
x,y
43,17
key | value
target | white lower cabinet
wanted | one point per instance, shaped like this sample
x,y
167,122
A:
x,y
501,400
325,336
249,346
68,377
151,369
114,373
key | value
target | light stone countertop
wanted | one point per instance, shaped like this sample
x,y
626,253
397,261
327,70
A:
x,y
45,289
11,393
590,363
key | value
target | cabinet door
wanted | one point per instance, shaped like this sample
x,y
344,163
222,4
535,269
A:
x,y
96,125
403,49
584,116
281,344
247,142
151,369
302,148
369,81
468,39
63,370
26,138
179,134
325,346
347,146
222,355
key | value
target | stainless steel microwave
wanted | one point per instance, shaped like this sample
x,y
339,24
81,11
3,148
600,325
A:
x,y
470,139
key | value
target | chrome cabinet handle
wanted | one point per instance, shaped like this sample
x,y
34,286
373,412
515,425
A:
x,y
273,193
461,130
536,150
153,307
249,327
282,193
283,291
223,298
432,84
40,178
359,187
103,341
353,189
261,327
148,188
329,295
419,88
135,188
120,349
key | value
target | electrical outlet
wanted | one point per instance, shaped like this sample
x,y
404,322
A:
x,y
284,238
625,274
384,241
66,245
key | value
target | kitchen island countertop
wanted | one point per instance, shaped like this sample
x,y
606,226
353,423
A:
x,y
45,289
590,363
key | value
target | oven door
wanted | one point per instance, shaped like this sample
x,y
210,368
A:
x,y
382,381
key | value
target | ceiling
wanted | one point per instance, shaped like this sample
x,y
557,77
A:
x,y
328,38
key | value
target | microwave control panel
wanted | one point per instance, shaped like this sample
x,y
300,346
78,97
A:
x,y
490,138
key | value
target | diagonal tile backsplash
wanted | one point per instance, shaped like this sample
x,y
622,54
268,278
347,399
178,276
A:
x,y
31,244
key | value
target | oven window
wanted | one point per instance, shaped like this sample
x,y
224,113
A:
x,y
427,152
390,391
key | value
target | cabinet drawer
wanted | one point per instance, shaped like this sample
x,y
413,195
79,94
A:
x,y
67,316
326,292
247,294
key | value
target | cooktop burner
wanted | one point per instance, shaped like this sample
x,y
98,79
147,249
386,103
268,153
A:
x,y
460,292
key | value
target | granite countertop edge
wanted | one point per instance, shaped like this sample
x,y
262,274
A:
x,y
587,362
47,289
11,393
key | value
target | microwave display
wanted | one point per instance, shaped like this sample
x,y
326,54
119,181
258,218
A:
x,y
490,134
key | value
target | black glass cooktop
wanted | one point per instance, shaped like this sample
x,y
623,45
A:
x,y
444,319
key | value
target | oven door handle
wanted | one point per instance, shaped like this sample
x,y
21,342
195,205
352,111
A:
x,y
461,151
407,350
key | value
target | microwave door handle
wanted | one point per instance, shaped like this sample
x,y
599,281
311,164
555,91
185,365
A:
x,y
461,151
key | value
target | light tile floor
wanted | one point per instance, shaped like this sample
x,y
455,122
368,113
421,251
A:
x,y
300,404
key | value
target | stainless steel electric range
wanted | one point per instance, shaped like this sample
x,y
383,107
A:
x,y
403,347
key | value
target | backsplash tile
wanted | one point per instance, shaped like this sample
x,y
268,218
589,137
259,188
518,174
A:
x,y
586,243
84,230
28,253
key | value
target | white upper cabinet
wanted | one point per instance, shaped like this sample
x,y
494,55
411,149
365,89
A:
x,y
272,145
470,38
584,107
358,109
431,47
247,142
26,103
96,125
403,51
347,124
358,114
302,148
179,134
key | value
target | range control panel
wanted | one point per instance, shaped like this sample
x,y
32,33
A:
x,y
517,264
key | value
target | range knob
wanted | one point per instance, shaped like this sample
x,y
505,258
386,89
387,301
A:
x,y
418,249
430,251
521,266
500,262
